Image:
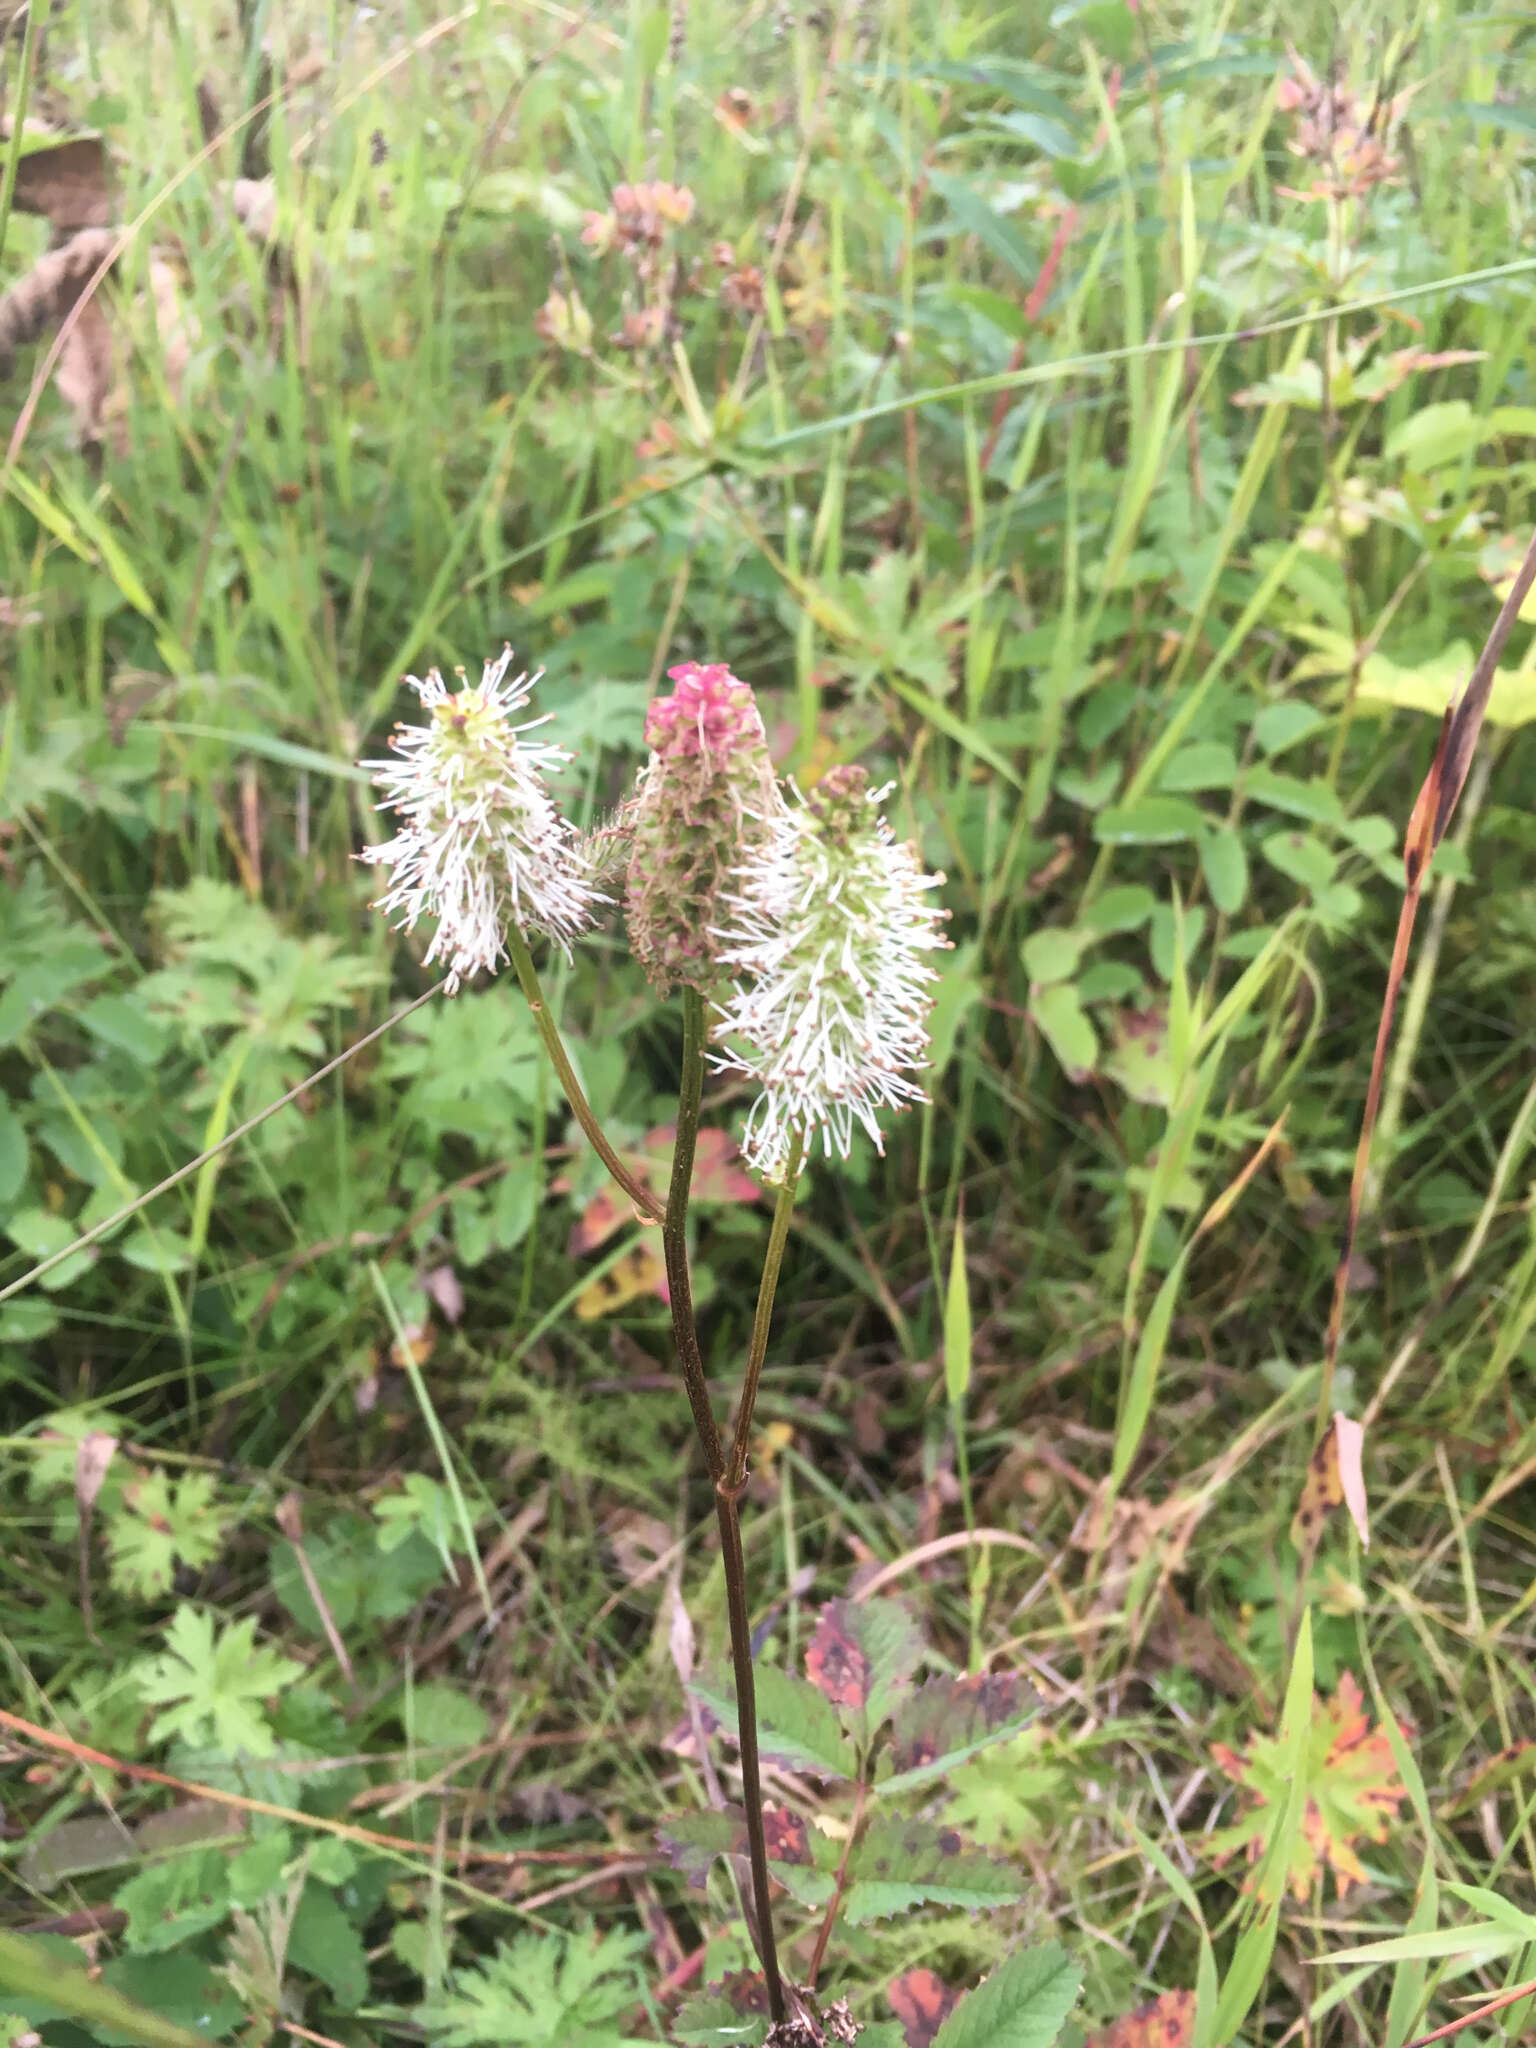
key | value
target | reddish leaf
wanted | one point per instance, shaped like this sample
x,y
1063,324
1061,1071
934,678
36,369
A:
x,y
922,2003
715,1179
691,1841
787,1837
1168,2022
1353,1793
1334,1479
834,1662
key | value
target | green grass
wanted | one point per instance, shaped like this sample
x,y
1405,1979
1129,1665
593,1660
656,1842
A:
x,y
1169,821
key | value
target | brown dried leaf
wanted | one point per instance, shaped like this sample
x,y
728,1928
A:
x,y
922,2003
68,182
92,1457
834,1662
1167,2022
1334,1479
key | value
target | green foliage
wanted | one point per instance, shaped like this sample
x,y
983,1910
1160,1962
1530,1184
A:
x,y
212,1682
573,1991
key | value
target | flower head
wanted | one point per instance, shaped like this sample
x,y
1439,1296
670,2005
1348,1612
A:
x,y
481,845
705,797
830,920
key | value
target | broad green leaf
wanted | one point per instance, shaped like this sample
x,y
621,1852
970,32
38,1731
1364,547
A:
x,y
795,1723
324,1943
1224,864
1202,764
13,1156
1302,857
33,1970
1023,2004
1052,954
902,1863
1433,435
1058,1012
1280,726
1316,800
1122,909
1150,821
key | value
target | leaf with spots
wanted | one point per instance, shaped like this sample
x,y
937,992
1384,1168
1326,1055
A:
x,y
800,1858
730,2014
1500,1770
903,1862
1353,1793
1167,2022
949,1720
1334,1479
922,2003
862,1658
795,1725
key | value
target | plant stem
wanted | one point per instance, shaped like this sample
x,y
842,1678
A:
x,y
736,1464
674,1237
581,1109
674,1233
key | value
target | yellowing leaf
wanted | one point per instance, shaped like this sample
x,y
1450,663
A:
x,y
1427,687
1334,1479
1353,1793
641,1270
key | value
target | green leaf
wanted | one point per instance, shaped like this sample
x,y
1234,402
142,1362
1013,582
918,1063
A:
x,y
1316,800
1121,909
1302,857
901,1863
1064,1024
40,1234
1021,2005
13,1156
172,1902
442,1717
1151,821
1433,435
801,1858
1145,1367
214,1683
325,1944
181,1987
1224,864
155,1524
730,2014
1203,764
949,1720
957,1323
795,1724
1280,726
36,1971
545,1990
1052,954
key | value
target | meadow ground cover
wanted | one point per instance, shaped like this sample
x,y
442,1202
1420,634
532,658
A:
x,y
1112,427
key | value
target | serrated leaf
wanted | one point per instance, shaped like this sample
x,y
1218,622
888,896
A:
x,y
1021,2005
802,1859
795,1725
730,2014
1350,1786
905,1862
1165,2022
157,1524
862,1657
948,1720
172,1902
539,1990
213,1683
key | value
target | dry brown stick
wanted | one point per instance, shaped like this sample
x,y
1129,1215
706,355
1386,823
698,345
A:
x,y
1432,814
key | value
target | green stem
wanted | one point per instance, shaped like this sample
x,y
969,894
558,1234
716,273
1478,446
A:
x,y
581,1109
736,1464
674,1237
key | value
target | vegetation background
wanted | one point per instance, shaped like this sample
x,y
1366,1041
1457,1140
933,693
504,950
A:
x,y
1113,429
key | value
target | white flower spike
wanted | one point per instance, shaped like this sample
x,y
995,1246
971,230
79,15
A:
x,y
481,845
829,1011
